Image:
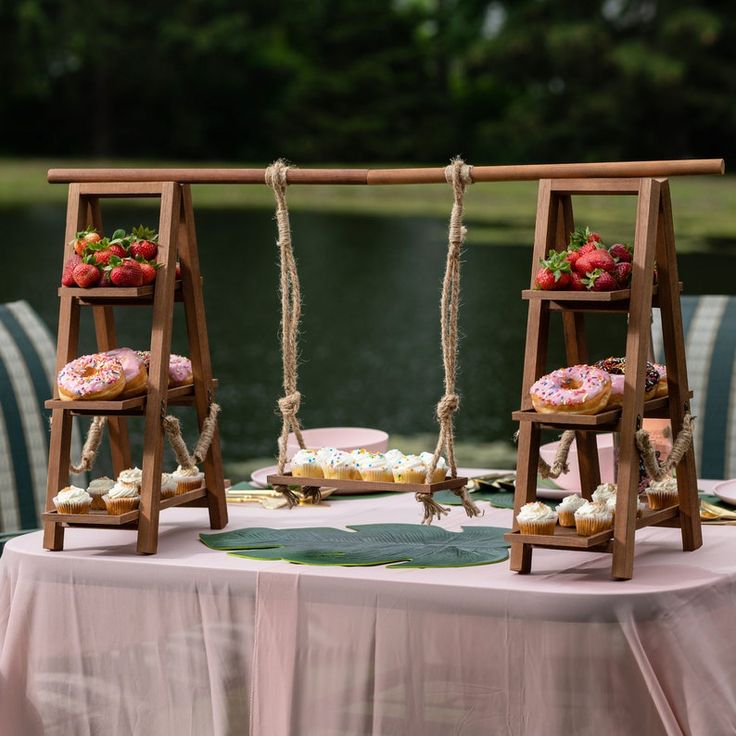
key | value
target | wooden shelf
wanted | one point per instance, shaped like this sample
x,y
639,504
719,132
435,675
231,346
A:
x,y
587,301
115,295
287,479
604,421
131,406
102,518
568,538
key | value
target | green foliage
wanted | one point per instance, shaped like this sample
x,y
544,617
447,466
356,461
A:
x,y
349,80
405,545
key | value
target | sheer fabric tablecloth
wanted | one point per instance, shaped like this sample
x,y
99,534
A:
x,y
96,640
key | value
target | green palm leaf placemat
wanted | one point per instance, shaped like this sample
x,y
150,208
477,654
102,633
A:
x,y
402,545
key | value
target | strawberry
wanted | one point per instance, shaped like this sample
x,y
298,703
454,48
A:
x,y
600,258
599,280
125,272
582,265
86,275
67,275
572,257
581,236
104,250
622,273
576,282
149,271
594,237
620,252
555,271
587,248
85,238
144,243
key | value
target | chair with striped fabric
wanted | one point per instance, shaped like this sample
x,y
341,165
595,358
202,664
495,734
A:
x,y
27,366
709,324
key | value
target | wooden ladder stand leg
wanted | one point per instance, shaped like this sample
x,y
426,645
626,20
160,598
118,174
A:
x,y
654,235
176,238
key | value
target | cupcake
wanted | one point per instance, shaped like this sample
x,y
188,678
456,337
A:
x,y
324,454
168,485
409,469
131,478
536,518
72,500
97,489
306,464
120,499
662,493
374,467
567,507
187,479
340,466
593,517
393,456
440,470
603,492
611,505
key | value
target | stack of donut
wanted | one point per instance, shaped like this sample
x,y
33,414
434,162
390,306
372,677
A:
x,y
589,389
116,374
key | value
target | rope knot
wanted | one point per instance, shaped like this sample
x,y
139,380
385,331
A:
x,y
447,406
459,171
289,404
276,174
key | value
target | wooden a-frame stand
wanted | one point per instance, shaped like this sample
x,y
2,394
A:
x,y
654,239
177,238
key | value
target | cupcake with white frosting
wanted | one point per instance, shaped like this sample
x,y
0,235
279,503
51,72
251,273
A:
x,y
306,464
567,507
393,456
131,478
168,485
409,469
662,493
611,504
374,467
536,518
593,517
340,466
440,470
97,489
121,498
603,492
187,479
72,500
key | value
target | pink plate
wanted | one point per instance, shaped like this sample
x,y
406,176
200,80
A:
x,y
726,491
342,438
570,482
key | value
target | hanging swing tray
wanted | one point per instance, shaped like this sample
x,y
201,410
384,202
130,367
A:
x,y
364,486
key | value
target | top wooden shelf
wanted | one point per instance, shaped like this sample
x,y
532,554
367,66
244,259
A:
x,y
588,301
99,296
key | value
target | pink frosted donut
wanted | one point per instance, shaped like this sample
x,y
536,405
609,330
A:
x,y
96,377
136,375
580,389
180,368
661,388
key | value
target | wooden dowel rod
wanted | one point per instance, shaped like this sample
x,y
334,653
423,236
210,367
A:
x,y
532,172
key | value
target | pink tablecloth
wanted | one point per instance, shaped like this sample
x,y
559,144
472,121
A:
x,y
97,640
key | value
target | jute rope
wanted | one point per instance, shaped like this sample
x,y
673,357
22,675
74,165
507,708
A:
x,y
172,428
291,306
458,175
559,464
683,441
91,446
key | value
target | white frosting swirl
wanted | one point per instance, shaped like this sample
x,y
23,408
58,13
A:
x,y
410,462
372,461
340,460
570,504
123,490
666,485
536,512
393,456
182,472
324,453
100,486
72,494
131,476
167,482
604,492
305,457
594,510
426,458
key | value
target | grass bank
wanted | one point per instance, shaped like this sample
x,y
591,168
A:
x,y
498,213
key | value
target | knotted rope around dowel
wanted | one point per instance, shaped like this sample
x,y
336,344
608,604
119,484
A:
x,y
91,446
559,464
172,429
291,306
458,175
683,441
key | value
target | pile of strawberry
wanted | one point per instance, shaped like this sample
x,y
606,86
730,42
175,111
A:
x,y
122,260
586,265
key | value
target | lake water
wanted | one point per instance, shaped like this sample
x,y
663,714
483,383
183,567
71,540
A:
x,y
369,346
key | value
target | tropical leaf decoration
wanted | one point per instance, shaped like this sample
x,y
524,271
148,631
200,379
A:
x,y
395,545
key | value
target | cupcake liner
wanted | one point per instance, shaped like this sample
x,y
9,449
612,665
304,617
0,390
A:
x,y
117,506
97,503
339,474
538,527
308,470
168,492
409,476
587,526
377,476
72,507
661,499
567,518
439,475
183,485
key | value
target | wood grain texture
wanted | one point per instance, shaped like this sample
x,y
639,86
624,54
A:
x,y
361,486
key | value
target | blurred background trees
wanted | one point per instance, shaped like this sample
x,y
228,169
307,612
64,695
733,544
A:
x,y
368,80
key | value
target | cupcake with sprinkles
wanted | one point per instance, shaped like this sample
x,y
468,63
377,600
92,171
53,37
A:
x,y
306,464
374,467
340,466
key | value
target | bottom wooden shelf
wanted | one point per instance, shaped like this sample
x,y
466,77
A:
x,y
102,518
568,538
287,479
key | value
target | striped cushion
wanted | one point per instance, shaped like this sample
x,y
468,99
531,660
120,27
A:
x,y
709,324
27,359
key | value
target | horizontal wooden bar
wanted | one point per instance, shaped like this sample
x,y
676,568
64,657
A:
x,y
287,479
430,175
588,301
598,186
146,188
116,295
